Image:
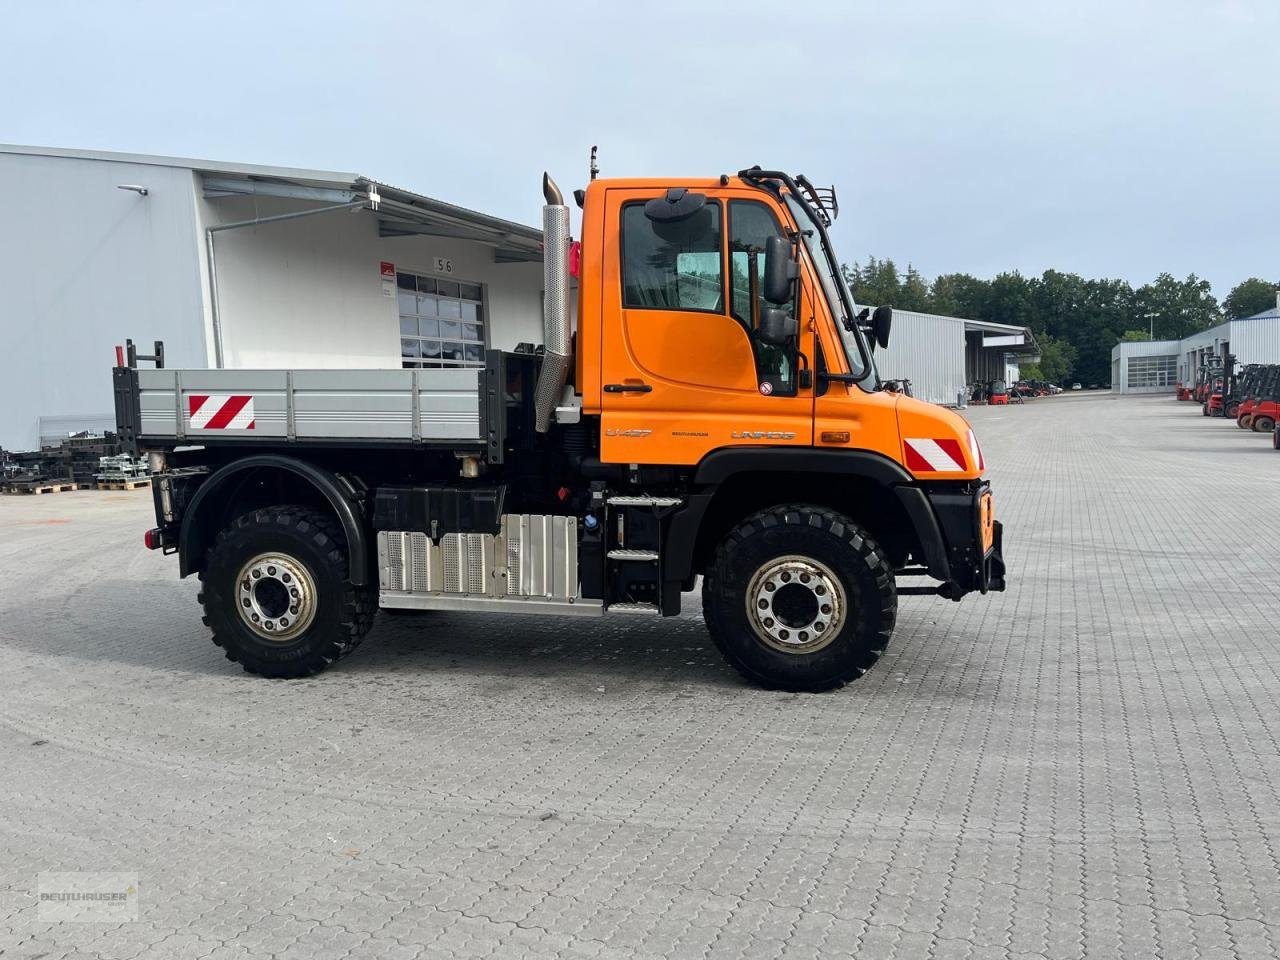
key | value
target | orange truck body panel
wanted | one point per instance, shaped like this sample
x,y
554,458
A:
x,y
698,374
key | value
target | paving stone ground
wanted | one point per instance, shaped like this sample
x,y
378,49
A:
x,y
1084,766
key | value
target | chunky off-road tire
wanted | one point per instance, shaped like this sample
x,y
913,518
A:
x,y
1244,421
284,567
800,598
1263,424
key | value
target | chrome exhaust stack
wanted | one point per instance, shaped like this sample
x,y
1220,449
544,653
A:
x,y
557,336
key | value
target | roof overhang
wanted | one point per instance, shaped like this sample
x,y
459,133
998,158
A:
x,y
400,212
1006,337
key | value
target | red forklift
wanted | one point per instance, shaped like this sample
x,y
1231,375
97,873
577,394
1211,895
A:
x,y
1239,386
1266,410
998,393
1226,390
1258,386
1209,374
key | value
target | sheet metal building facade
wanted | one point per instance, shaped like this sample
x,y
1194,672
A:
x,y
942,356
237,265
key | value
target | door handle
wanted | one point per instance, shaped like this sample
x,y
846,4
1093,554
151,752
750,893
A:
x,y
627,388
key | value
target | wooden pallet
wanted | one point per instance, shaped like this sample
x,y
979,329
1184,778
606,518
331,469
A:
x,y
124,484
40,487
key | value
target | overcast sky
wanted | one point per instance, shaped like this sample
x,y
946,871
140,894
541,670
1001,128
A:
x,y
1110,139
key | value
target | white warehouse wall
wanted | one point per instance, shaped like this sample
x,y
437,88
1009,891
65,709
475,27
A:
x,y
308,292
928,350
83,265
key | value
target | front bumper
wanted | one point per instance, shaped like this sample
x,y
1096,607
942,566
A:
x,y
972,540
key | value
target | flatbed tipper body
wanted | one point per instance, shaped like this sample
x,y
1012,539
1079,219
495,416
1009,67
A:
x,y
716,413
168,406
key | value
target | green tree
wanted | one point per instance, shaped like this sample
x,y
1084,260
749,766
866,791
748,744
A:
x,y
1010,300
959,295
913,292
1133,336
873,283
1249,297
1178,308
1057,358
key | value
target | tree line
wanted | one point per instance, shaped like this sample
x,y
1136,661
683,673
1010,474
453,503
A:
x,y
1076,320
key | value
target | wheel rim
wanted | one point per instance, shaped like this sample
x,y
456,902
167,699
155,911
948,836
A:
x,y
796,604
276,597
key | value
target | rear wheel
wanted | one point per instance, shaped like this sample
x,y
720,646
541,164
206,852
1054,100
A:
x,y
1244,421
800,598
1204,410
1231,410
1264,424
276,593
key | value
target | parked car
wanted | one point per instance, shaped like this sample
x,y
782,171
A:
x,y
1076,386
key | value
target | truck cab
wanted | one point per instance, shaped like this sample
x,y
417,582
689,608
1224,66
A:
x,y
710,410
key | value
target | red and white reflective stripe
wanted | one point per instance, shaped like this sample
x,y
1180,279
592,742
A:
x,y
976,450
936,456
220,411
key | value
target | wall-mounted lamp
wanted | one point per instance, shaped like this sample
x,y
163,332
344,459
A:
x,y
135,187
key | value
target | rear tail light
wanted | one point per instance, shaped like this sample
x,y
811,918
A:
x,y
153,539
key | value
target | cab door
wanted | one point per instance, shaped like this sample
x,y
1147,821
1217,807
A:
x,y
682,368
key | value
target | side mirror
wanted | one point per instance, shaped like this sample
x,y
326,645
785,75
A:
x,y
780,270
777,327
881,322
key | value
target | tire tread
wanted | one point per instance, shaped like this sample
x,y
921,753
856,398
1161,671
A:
x,y
357,608
716,590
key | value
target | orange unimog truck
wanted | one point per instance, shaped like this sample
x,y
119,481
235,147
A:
x,y
716,413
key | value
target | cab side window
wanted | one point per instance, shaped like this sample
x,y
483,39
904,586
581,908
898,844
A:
x,y
675,265
751,223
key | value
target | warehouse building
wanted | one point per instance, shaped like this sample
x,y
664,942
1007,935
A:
x,y
1147,366
942,356
1144,366
237,265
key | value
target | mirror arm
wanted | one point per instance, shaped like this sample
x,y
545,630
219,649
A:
x,y
839,377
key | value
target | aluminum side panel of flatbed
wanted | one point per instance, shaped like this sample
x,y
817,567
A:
x,y
431,406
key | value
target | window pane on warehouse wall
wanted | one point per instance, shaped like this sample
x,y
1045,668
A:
x,y
431,331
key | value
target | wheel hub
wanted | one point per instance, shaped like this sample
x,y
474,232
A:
x,y
796,604
276,597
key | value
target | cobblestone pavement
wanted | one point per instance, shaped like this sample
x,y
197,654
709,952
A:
x,y
1083,766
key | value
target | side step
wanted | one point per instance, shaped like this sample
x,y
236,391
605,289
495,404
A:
x,y
623,500
642,608
621,554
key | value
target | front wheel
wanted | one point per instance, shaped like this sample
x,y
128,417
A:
x,y
800,598
276,593
1263,424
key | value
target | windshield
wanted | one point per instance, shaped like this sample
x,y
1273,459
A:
x,y
855,348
